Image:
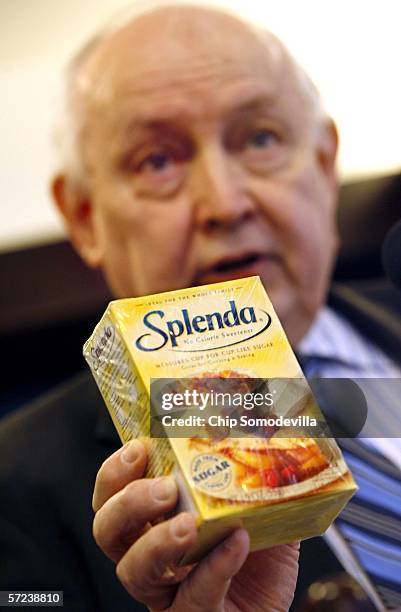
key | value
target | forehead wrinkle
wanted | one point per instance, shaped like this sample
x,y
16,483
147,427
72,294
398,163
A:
x,y
195,75
161,94
181,114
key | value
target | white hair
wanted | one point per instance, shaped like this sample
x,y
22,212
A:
x,y
71,120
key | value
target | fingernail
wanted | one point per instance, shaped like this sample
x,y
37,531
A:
x,y
181,526
163,489
129,454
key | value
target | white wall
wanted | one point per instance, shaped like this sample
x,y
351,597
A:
x,y
351,48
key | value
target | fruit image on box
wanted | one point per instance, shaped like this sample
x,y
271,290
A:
x,y
233,467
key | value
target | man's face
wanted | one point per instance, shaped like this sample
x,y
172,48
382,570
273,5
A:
x,y
204,165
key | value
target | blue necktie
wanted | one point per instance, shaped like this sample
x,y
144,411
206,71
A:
x,y
371,522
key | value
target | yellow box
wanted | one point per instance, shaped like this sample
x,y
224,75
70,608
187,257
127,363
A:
x,y
282,487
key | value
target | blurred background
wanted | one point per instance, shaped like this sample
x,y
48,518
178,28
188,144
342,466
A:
x,y
49,301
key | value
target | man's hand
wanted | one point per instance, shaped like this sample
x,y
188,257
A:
x,y
147,558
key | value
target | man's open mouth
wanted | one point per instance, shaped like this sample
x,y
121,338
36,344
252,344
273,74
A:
x,y
236,266
235,263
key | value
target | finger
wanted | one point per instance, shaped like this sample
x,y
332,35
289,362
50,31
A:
x,y
122,519
142,571
271,573
268,575
213,575
125,465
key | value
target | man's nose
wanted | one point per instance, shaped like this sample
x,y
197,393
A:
x,y
219,190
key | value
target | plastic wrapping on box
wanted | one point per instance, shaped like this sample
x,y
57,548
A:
x,y
260,466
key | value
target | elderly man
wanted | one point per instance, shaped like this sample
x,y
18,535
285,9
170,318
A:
x,y
197,151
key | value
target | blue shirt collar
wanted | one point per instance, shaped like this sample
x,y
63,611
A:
x,y
333,338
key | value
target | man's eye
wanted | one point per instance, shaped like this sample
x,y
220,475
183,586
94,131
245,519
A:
x,y
262,139
156,162
158,171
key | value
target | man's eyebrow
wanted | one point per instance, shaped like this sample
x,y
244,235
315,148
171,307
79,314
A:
x,y
151,123
143,127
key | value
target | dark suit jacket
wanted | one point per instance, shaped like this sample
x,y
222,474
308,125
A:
x,y
49,456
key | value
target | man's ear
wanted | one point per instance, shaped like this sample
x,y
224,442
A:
x,y
327,147
75,206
